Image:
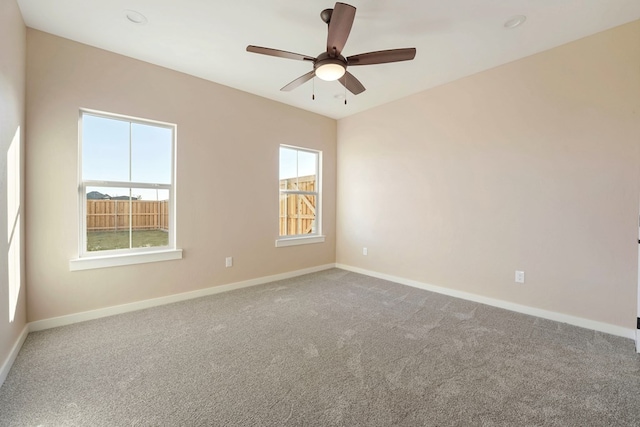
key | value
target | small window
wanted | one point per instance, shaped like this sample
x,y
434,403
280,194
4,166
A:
x,y
126,185
300,207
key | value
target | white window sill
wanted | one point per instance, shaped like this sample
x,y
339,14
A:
x,y
89,263
294,241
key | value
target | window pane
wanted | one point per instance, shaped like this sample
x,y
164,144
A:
x,y
289,184
107,218
151,154
105,149
150,218
307,183
116,221
307,163
288,163
297,214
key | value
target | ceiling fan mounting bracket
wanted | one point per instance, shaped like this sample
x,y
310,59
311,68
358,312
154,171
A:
x,y
326,15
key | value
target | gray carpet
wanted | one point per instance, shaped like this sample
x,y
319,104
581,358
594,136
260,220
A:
x,y
329,348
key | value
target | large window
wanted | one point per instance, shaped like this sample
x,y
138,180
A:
x,y
126,185
300,207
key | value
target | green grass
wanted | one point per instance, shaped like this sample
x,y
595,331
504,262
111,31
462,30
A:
x,y
106,240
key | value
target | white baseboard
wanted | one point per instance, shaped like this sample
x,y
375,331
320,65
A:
x,y
69,319
638,341
538,312
6,366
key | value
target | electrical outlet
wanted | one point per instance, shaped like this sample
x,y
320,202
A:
x,y
228,262
519,276
365,251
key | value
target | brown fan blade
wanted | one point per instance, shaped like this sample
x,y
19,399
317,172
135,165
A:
x,y
299,81
279,53
382,56
339,27
351,83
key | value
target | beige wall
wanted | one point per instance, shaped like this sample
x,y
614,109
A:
x,y
533,166
227,177
530,166
12,93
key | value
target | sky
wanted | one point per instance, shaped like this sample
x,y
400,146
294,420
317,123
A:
x,y
296,163
105,155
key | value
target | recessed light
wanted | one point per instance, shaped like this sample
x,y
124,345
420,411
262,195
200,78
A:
x,y
515,21
135,17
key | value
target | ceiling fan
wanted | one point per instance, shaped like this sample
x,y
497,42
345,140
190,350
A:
x,y
331,65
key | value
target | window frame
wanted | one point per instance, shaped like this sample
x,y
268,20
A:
x,y
302,239
113,257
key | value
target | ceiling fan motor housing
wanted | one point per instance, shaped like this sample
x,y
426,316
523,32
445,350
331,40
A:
x,y
326,58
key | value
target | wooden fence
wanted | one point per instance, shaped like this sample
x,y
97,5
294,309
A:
x,y
297,211
113,215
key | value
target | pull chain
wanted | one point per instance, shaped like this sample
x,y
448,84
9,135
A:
x,y
345,89
313,94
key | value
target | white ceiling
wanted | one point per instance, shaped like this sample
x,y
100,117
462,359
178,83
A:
x,y
208,38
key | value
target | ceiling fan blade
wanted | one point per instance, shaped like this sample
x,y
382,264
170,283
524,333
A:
x,y
279,53
351,83
339,27
299,81
382,56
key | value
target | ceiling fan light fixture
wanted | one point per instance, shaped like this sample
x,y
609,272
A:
x,y
330,71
